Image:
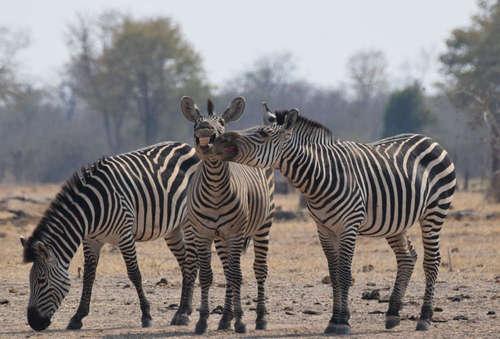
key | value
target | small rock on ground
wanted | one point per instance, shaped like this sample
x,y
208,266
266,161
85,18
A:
x,y
371,295
312,312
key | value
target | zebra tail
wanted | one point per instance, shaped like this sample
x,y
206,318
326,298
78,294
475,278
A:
x,y
246,244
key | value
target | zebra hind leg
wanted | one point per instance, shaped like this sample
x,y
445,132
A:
x,y
203,247
227,313
127,248
261,243
176,244
406,258
91,250
432,259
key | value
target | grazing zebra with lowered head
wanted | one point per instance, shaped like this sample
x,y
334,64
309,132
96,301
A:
x,y
135,196
378,190
231,204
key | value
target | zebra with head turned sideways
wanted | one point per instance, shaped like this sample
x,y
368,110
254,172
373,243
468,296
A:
x,y
135,196
378,190
227,203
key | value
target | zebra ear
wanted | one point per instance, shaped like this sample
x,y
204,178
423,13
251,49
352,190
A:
x,y
291,119
41,250
235,110
23,241
268,116
189,109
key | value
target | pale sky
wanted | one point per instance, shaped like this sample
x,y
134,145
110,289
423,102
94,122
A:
x,y
230,35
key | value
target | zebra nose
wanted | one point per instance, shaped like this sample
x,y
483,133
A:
x,y
36,321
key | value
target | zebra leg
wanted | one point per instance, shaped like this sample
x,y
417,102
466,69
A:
x,y
91,251
203,247
432,260
235,277
406,258
177,246
227,314
260,244
346,242
127,248
330,249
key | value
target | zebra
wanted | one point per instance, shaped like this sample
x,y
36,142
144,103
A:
x,y
377,189
135,196
230,204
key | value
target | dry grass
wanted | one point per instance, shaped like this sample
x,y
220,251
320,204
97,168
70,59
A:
x,y
297,266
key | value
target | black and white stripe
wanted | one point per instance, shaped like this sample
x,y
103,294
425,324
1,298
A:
x,y
227,203
378,190
135,196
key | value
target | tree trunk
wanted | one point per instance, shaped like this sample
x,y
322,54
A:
x,y
493,119
494,191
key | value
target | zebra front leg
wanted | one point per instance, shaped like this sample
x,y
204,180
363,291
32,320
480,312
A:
x,y
203,248
91,251
346,243
406,258
177,245
330,249
432,260
260,244
227,314
235,278
127,248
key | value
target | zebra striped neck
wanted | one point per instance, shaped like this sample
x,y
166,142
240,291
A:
x,y
300,153
63,225
215,175
307,132
300,166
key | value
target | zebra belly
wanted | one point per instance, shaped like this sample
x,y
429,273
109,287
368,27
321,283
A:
x,y
213,225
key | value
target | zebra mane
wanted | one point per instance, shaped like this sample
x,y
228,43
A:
x,y
69,187
309,130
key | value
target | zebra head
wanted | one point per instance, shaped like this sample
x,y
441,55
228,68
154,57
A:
x,y
207,128
260,146
49,282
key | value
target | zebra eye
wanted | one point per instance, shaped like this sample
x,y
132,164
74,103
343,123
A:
x,y
263,133
41,280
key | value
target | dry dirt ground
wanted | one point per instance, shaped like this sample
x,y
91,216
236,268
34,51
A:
x,y
470,274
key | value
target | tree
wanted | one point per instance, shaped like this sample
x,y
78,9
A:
x,y
406,111
133,73
368,75
270,78
367,71
11,43
472,64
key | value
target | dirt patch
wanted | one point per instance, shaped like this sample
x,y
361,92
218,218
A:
x,y
299,296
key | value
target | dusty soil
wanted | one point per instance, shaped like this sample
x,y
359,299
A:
x,y
470,272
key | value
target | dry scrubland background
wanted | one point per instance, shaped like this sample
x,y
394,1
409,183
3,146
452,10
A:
x,y
467,295
119,87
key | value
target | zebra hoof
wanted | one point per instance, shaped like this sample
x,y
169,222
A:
x,y
240,327
74,324
339,329
180,319
147,322
260,324
392,321
201,326
224,324
423,324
